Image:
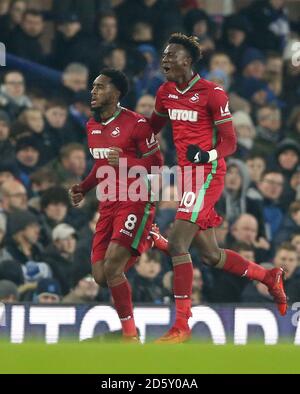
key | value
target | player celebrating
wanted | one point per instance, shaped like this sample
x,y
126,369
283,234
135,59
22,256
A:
x,y
122,229
203,135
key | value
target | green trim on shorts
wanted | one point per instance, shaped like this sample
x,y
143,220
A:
x,y
141,228
205,186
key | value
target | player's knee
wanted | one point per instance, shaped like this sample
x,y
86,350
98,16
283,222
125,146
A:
x,y
99,276
113,265
211,257
176,246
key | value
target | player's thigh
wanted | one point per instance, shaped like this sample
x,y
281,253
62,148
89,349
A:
x,y
98,272
102,236
116,258
207,245
131,226
181,236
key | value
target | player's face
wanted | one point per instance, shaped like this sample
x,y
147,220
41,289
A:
x,y
103,92
175,62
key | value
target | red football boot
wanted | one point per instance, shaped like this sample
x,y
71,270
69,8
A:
x,y
159,241
175,335
274,282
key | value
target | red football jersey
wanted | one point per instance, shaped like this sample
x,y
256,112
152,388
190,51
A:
x,y
193,113
129,131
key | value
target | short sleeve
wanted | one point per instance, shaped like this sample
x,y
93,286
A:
x,y
218,105
144,138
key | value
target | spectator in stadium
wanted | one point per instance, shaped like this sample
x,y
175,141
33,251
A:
x,y
11,18
245,131
23,230
295,241
290,224
56,132
71,164
31,119
8,172
286,257
274,73
271,188
13,196
27,158
85,290
267,130
164,18
107,29
145,105
220,61
42,180
11,270
256,165
146,283
70,43
80,112
235,199
24,39
294,125
245,229
48,291
8,291
286,158
60,255
6,147
13,97
234,40
74,79
54,210
269,24
149,80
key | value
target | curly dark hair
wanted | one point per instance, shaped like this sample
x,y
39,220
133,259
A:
x,y
118,79
190,43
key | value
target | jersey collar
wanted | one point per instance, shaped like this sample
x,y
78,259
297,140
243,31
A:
x,y
115,115
190,84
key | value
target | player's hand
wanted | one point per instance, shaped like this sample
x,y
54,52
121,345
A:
x,y
196,155
76,195
113,156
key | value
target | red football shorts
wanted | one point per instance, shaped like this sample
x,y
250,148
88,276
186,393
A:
x,y
126,223
197,204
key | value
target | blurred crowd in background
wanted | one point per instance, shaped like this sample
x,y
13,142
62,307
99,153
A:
x,y
54,51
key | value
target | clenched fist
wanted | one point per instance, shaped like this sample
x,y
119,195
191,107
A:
x,y
113,156
76,195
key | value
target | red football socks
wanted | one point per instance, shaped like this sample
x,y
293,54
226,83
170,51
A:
x,y
238,265
121,295
183,281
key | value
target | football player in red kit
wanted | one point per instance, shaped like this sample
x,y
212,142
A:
x,y
203,135
115,133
